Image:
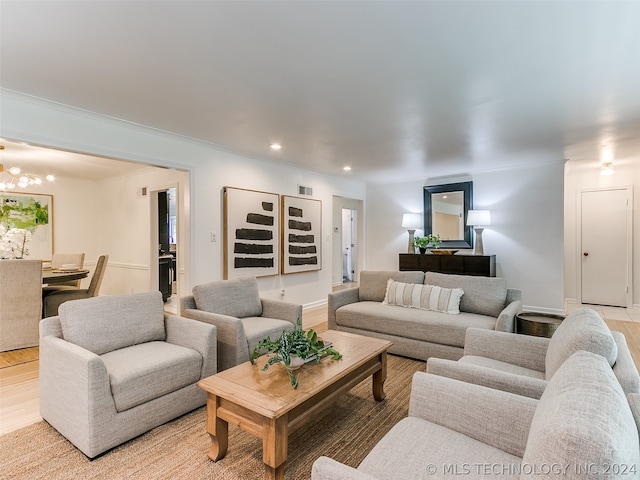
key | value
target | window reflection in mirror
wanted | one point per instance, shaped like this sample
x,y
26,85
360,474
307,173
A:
x,y
447,215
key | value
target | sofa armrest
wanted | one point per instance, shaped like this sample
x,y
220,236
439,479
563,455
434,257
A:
x,y
506,321
507,382
281,310
634,404
198,336
325,468
232,341
187,303
75,393
494,417
625,368
522,350
339,299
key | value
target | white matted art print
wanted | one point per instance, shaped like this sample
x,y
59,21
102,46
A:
x,y
251,233
33,213
301,235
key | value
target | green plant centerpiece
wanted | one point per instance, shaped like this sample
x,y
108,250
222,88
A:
x,y
427,241
293,348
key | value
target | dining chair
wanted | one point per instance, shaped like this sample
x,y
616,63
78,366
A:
x,y
53,301
20,303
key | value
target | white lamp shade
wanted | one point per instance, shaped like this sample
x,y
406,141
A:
x,y
479,217
412,220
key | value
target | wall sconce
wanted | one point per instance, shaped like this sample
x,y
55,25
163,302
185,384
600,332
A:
x,y
411,221
606,168
478,219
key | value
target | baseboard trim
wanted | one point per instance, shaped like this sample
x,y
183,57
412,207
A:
x,y
532,308
318,303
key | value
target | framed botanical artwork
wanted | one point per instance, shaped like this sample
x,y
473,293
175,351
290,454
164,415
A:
x,y
29,215
301,235
251,233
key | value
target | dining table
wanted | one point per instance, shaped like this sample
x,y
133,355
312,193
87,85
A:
x,y
53,276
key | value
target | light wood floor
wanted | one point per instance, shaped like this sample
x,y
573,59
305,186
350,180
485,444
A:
x,y
19,404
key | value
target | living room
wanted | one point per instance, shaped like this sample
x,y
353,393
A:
x,y
532,192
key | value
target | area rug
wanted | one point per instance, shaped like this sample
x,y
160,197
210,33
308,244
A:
x,y
346,431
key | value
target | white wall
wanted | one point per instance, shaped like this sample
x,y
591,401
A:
x,y
581,174
526,232
47,124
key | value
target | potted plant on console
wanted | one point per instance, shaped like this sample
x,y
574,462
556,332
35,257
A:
x,y
427,241
293,349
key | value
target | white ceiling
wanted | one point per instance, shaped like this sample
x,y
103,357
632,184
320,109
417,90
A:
x,y
394,89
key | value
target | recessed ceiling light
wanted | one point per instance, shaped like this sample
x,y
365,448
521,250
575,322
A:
x,y
275,146
347,168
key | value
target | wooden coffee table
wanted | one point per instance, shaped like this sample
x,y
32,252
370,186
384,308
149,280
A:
x,y
264,404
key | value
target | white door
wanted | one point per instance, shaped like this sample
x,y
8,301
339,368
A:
x,y
604,251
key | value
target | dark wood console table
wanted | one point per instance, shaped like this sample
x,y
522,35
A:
x,y
481,265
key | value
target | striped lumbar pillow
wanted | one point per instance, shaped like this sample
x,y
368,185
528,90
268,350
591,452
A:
x,y
425,297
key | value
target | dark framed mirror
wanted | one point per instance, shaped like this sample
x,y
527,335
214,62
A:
x,y
445,213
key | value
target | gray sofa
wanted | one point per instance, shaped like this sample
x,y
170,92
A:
x,y
114,367
582,427
487,303
524,365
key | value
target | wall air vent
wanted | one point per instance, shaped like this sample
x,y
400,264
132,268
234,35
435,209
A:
x,y
302,190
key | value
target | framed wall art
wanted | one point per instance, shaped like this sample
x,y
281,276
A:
x,y
301,235
31,212
251,233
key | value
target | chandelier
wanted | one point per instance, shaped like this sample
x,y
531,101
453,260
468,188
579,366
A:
x,y
16,178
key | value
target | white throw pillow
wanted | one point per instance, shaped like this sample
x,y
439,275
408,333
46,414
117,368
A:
x,y
424,297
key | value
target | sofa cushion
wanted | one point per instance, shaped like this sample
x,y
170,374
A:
x,y
259,328
434,452
482,295
141,373
373,284
581,330
422,325
237,297
103,324
493,364
583,420
424,297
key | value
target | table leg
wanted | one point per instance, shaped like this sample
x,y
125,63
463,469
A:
x,y
274,447
379,377
218,430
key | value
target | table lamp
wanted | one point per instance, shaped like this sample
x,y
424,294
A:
x,y
411,221
478,219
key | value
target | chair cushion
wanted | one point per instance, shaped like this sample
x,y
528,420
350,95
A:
x,y
501,366
141,373
581,330
424,297
417,449
237,297
482,295
259,328
583,420
373,284
103,324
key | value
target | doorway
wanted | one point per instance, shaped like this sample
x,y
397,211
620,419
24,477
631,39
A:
x,y
349,244
605,246
164,245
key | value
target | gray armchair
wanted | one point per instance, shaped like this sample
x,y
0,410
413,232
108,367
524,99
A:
x,y
20,303
524,365
582,425
114,367
242,318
